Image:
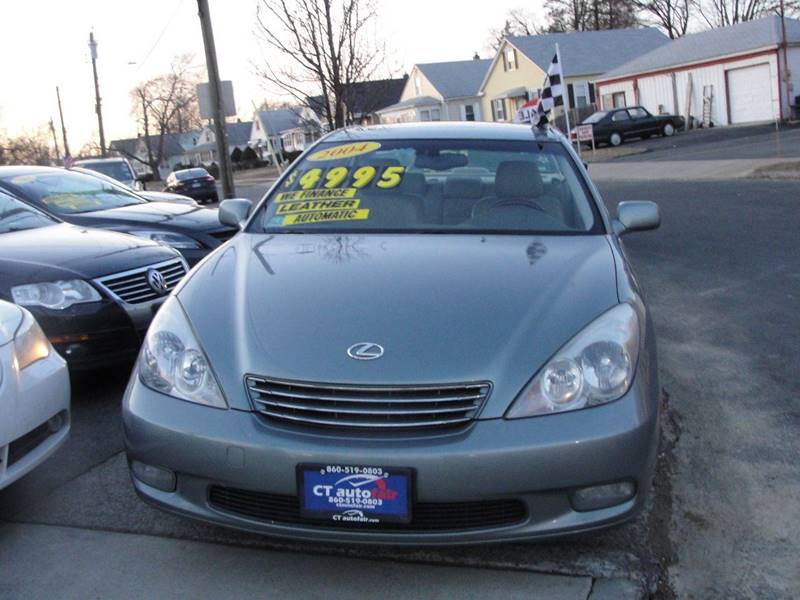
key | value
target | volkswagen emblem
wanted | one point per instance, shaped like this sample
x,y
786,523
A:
x,y
365,351
157,282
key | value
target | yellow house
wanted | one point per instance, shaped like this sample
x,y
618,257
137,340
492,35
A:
x,y
518,70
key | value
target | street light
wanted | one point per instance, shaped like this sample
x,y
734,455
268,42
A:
x,y
97,108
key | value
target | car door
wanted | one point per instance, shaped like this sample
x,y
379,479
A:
x,y
642,122
621,122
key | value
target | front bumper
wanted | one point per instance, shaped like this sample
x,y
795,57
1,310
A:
x,y
538,462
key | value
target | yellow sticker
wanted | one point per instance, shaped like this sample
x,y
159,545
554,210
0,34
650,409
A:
x,y
320,194
315,205
326,215
344,151
23,179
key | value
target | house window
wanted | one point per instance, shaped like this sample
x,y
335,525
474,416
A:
x,y
619,99
499,109
469,112
580,92
510,60
434,114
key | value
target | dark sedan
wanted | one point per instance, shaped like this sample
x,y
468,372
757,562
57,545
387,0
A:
x,y
93,292
619,124
90,201
196,183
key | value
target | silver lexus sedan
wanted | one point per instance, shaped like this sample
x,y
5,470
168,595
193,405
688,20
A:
x,y
424,334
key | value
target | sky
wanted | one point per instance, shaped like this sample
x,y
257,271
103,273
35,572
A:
x,y
44,44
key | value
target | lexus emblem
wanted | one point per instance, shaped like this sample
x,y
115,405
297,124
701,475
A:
x,y
157,282
365,351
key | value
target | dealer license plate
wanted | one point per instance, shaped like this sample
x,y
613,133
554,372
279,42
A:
x,y
351,494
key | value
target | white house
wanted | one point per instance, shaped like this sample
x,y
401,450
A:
x,y
445,91
288,129
736,75
203,151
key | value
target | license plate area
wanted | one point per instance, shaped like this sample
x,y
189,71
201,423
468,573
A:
x,y
355,494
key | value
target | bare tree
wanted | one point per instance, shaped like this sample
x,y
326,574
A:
x,y
721,13
326,43
589,15
672,16
165,105
90,149
29,148
518,22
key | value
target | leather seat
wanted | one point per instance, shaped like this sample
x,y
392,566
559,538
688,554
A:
x,y
521,180
459,196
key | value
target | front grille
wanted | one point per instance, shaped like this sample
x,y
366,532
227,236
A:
x,y
367,407
133,287
452,516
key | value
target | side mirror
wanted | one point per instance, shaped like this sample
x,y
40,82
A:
x,y
234,211
636,216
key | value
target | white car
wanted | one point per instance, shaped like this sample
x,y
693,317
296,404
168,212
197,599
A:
x,y
34,395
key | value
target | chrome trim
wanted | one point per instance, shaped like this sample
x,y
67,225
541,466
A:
x,y
169,274
369,406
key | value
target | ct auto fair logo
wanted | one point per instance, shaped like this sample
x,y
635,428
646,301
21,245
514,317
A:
x,y
365,351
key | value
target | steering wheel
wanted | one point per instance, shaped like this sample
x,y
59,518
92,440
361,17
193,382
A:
x,y
489,204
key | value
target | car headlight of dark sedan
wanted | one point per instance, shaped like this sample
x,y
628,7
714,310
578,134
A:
x,y
172,361
594,367
55,295
168,238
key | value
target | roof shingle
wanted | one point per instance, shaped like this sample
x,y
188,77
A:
x,y
456,79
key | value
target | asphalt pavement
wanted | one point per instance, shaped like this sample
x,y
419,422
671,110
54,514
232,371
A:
x,y
723,281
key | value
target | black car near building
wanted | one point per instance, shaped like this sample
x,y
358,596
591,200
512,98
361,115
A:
x,y
93,292
90,201
197,183
619,124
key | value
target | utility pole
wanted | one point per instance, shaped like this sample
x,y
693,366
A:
x,y
786,74
218,111
55,139
97,108
63,128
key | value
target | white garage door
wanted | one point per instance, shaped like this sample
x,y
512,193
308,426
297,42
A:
x,y
749,95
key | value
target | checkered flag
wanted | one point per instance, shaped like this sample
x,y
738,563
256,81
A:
x,y
553,90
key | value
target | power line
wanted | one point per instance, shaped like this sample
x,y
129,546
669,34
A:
x,y
160,35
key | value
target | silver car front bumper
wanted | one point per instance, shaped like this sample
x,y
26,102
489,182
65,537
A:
x,y
538,461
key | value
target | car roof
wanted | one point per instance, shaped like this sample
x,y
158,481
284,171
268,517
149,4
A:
x,y
100,160
445,130
12,170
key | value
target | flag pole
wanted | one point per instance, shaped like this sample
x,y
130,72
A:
x,y
564,97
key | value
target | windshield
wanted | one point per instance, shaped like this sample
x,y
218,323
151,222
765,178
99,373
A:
x,y
18,216
439,186
116,169
69,193
191,174
595,117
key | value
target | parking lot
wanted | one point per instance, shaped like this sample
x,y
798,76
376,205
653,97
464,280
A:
x,y
721,278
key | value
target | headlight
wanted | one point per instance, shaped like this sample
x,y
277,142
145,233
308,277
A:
x,y
595,367
55,294
172,361
30,343
169,238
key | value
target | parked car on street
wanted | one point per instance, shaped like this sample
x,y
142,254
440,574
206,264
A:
x,y
425,334
117,168
34,395
617,125
90,201
196,183
94,292
149,195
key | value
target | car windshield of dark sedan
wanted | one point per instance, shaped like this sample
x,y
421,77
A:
x,y
69,193
190,174
439,186
595,117
18,216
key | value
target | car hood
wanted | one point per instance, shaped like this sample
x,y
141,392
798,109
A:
x,y
63,250
446,308
154,214
10,319
166,197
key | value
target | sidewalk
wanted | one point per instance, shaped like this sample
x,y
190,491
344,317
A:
x,y
40,561
681,170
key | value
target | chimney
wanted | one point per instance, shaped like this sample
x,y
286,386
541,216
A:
x,y
476,57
